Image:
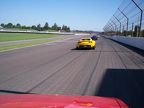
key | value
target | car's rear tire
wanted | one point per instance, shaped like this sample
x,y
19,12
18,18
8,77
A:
x,y
77,48
93,48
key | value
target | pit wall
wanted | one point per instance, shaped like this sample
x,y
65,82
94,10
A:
x,y
137,42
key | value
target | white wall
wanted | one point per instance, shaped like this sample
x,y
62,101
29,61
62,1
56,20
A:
x,y
137,42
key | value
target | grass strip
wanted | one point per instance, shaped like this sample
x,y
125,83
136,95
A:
x,y
23,36
9,47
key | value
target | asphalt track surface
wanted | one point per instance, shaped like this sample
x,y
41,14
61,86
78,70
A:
x,y
111,70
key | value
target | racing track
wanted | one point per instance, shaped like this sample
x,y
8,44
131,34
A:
x,y
110,70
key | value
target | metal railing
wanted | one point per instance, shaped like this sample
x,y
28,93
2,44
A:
x,y
128,20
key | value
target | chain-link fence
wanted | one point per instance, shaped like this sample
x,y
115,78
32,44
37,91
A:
x,y
128,20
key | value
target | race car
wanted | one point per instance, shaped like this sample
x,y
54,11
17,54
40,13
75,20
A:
x,y
86,43
58,101
94,37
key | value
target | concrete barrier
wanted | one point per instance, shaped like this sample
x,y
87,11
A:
x,y
42,32
137,42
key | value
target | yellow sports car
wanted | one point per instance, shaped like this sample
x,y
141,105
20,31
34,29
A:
x,y
86,43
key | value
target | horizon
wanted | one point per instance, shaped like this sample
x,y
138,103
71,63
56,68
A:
x,y
78,15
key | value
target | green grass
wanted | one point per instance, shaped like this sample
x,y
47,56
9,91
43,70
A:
x,y
3,48
23,36
35,42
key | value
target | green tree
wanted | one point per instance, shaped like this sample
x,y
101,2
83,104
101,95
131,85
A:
x,y
3,25
129,32
124,33
136,30
55,26
9,25
65,28
68,29
39,27
46,26
18,25
34,27
142,33
24,27
58,28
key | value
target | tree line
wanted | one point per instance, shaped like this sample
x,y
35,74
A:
x,y
133,33
37,27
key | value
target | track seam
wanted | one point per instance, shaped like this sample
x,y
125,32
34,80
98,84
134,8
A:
x,y
43,64
90,78
53,74
126,54
118,56
130,58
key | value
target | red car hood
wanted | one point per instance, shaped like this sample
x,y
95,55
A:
x,y
58,101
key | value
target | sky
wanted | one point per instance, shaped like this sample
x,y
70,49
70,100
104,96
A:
x,y
77,14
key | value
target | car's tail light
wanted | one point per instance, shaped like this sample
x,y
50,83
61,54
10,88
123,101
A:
x,y
85,104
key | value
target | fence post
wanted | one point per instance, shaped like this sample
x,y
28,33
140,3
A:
x,y
119,23
132,28
139,33
115,27
127,20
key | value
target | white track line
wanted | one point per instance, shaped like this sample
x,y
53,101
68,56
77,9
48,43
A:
x,y
47,43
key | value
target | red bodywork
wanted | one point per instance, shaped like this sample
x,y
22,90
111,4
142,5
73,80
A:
x,y
58,101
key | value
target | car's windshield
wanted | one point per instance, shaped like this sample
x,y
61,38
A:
x,y
85,39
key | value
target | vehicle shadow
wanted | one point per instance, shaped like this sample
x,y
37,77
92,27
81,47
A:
x,y
13,92
81,49
125,84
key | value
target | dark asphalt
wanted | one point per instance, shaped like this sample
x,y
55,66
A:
x,y
111,70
